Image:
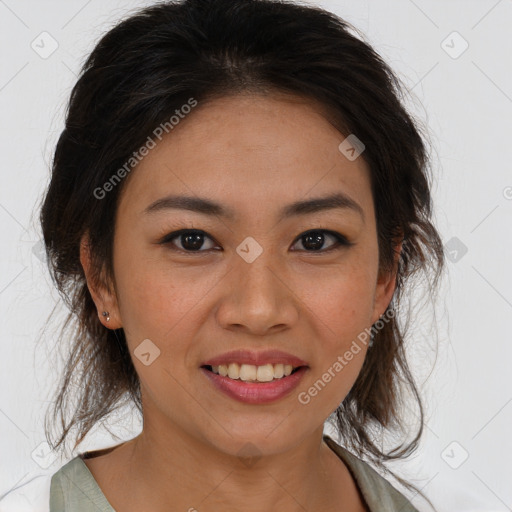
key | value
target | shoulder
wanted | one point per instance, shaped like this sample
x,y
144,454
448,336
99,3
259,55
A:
x,y
74,488
63,482
376,490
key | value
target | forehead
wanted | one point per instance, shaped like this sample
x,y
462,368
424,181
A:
x,y
248,149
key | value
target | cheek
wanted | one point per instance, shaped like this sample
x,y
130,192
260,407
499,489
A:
x,y
341,309
343,314
162,309
161,302
343,299
152,302
342,319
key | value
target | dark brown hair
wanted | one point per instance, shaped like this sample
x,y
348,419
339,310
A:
x,y
137,76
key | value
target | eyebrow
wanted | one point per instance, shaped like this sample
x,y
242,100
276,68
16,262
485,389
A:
x,y
209,207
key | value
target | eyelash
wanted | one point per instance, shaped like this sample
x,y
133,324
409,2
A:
x,y
340,241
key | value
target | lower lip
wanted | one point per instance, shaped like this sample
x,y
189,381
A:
x,y
256,392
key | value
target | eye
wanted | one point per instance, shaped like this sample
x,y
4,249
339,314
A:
x,y
190,240
315,239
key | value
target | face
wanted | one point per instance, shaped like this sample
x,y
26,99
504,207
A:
x,y
306,283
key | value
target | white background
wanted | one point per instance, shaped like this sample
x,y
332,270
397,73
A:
x,y
466,102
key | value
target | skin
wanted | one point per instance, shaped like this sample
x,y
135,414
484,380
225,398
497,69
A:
x,y
254,154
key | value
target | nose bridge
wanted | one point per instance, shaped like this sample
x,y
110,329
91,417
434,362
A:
x,y
256,270
258,298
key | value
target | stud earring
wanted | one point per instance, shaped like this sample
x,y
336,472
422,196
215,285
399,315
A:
x,y
105,313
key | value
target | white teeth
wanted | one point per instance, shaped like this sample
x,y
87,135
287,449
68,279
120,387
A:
x,y
233,371
265,373
278,371
247,372
252,373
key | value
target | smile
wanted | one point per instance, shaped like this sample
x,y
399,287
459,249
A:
x,y
253,373
280,381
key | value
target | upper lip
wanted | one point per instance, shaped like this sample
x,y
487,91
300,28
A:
x,y
255,358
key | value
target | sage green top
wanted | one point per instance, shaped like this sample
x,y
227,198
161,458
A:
x,y
74,489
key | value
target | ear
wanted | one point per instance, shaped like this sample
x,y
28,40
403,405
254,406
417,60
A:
x,y
102,294
386,283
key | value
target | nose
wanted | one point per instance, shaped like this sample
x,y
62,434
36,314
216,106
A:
x,y
258,297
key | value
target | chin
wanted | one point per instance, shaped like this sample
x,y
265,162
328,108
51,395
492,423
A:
x,y
256,441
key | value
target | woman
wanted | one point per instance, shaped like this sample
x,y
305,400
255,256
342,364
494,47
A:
x,y
237,203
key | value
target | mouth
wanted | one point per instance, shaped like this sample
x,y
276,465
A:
x,y
252,373
255,385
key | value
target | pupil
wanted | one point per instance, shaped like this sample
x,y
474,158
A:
x,y
316,238
192,241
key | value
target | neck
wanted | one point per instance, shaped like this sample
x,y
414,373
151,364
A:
x,y
193,475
